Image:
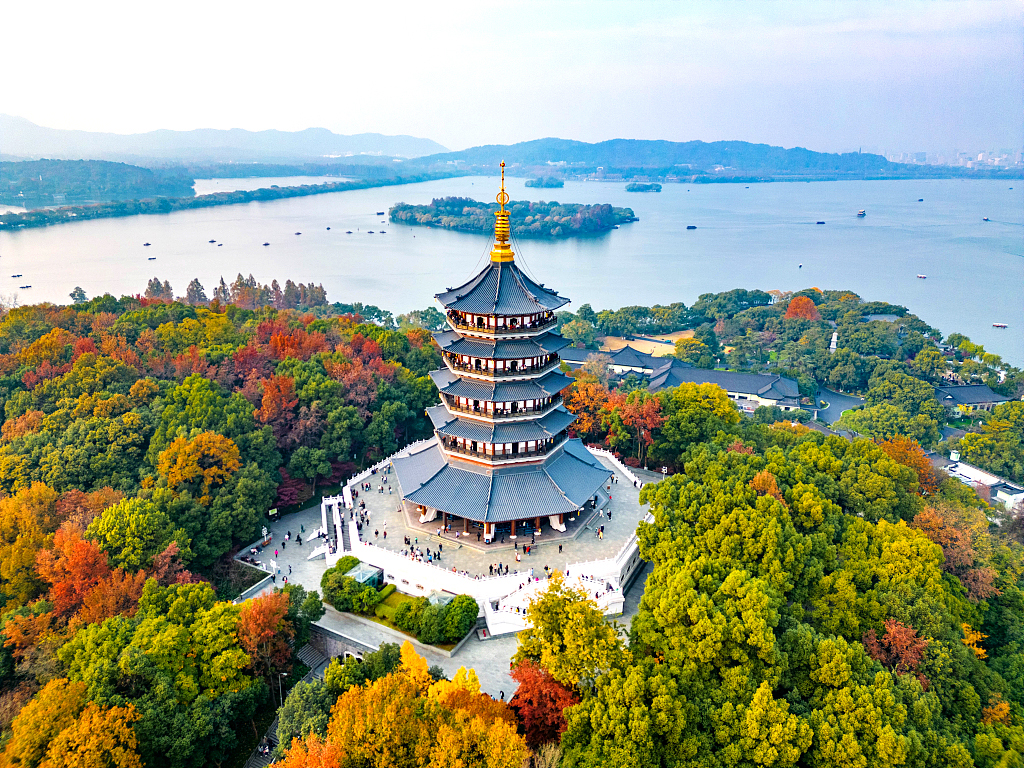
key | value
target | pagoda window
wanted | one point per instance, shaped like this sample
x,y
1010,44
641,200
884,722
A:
x,y
513,365
476,405
473,446
513,322
479,322
515,407
476,364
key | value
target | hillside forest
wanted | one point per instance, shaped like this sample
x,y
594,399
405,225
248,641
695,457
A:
x,y
813,600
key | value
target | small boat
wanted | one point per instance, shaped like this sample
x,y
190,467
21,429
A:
x,y
328,229
298,233
151,258
348,231
370,232
24,286
922,277
266,243
220,245
820,222
145,245
213,241
382,232
986,219
920,199
862,213
800,267
999,325
15,275
688,226
380,213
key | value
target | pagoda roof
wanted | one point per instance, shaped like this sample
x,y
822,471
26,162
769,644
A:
x,y
567,479
500,391
501,288
543,428
501,349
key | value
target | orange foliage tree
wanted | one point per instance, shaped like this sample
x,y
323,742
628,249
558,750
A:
x,y
263,632
52,710
943,526
73,568
802,307
907,451
586,398
98,737
765,484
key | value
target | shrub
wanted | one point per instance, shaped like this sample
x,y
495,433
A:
x,y
460,618
431,629
407,615
388,591
384,611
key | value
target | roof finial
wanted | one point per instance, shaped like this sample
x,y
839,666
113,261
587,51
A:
x,y
502,251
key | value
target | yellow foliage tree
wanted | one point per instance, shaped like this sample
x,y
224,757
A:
x,y
971,639
99,738
207,460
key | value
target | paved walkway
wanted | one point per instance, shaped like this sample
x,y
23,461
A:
x,y
837,403
466,554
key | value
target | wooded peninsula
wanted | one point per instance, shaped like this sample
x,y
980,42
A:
x,y
539,219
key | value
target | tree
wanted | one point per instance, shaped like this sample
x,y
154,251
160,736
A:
x,y
263,632
132,532
306,710
899,648
802,307
304,608
908,453
99,737
568,636
581,333
691,350
885,422
195,294
73,568
540,702
53,709
78,295
200,464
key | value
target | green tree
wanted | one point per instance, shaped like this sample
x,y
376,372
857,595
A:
x,y
133,531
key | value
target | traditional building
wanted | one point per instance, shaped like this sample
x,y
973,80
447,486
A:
x,y
500,459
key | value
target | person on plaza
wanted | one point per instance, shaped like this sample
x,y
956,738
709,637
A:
x,y
609,514
289,570
276,553
284,544
298,540
385,534
478,536
533,539
518,559
559,549
491,570
376,533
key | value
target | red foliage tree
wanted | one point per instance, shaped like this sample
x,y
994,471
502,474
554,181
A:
x,y
540,702
802,307
116,595
277,408
263,632
900,649
959,553
167,568
73,568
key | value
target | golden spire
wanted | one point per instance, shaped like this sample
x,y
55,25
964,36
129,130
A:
x,y
502,251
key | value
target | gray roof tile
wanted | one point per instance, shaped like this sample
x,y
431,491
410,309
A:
x,y
501,288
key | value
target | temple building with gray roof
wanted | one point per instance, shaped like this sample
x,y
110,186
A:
x,y
501,459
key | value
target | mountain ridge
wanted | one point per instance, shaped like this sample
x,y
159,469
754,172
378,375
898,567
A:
x,y
20,137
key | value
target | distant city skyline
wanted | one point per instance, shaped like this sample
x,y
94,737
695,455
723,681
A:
x,y
937,78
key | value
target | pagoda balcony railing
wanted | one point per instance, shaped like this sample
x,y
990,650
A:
x,y
505,374
460,324
483,413
501,456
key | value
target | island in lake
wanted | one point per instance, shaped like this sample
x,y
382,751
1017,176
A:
x,y
638,187
547,182
538,219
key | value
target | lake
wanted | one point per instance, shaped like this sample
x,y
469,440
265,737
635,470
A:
x,y
209,186
761,236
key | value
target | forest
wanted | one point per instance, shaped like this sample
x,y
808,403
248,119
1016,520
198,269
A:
x,y
133,207
813,600
37,183
527,219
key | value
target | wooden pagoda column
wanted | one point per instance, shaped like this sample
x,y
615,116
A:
x,y
513,527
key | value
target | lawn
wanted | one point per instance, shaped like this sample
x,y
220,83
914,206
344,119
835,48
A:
x,y
391,603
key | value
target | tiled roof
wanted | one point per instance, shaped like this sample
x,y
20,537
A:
x,y
767,386
543,428
562,484
501,288
627,357
968,394
502,349
502,391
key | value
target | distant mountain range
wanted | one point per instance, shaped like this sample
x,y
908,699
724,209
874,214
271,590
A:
x,y
696,160
22,139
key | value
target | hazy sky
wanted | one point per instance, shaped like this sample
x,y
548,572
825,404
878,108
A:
x,y
896,76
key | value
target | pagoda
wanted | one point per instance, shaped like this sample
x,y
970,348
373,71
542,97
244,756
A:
x,y
501,460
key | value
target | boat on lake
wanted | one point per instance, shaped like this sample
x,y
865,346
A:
x,y
266,243
986,219
348,231
922,277
151,258
145,245
999,325
213,241
821,222
328,229
862,213
15,275
920,199
688,226
380,213
370,232
298,233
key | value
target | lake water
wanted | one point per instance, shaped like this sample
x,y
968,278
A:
x,y
749,237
